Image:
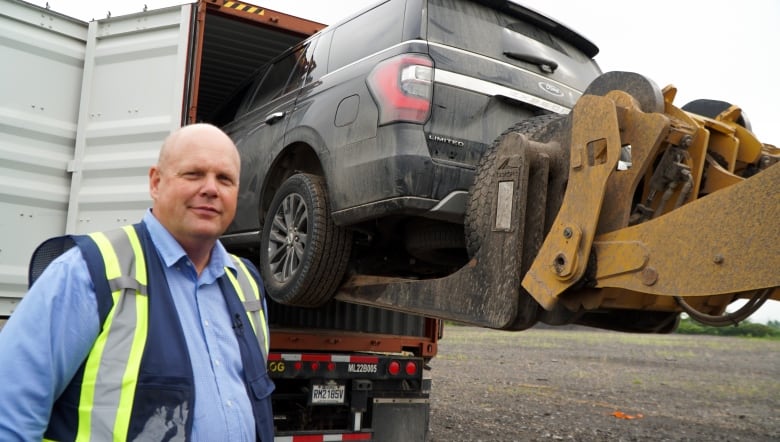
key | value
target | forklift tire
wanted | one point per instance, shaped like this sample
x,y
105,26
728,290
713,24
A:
x,y
303,254
713,108
480,199
480,205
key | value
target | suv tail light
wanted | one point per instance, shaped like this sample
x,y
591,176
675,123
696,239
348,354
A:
x,y
402,87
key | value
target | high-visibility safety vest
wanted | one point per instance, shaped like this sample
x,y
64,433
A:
x,y
137,382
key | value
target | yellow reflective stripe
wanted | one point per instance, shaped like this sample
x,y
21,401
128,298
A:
x,y
240,291
265,331
140,260
130,377
83,433
257,296
109,255
248,277
236,286
241,295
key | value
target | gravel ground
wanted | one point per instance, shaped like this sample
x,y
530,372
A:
x,y
590,385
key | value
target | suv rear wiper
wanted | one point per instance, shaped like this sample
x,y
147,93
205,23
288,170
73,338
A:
x,y
544,64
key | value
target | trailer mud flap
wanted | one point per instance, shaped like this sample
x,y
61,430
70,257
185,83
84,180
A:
x,y
400,419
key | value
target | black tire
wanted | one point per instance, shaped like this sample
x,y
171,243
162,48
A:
x,y
632,321
713,108
480,197
303,253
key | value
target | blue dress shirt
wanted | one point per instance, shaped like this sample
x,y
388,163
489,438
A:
x,y
54,326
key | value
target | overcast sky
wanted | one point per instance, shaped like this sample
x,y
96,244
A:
x,y
719,49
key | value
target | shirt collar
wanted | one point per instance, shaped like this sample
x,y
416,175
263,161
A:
x,y
171,252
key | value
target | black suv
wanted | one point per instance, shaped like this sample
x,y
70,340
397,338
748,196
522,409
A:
x,y
359,145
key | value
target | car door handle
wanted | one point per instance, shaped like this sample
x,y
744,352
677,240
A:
x,y
274,117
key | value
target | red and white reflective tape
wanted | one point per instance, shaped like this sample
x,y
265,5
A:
x,y
324,437
294,357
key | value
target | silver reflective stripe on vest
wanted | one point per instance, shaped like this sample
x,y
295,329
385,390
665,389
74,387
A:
x,y
252,304
127,283
118,348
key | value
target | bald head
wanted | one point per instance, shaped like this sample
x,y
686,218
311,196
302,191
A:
x,y
185,136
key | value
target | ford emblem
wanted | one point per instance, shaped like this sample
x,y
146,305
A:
x,y
551,89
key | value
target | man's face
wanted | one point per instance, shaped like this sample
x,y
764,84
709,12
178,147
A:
x,y
195,186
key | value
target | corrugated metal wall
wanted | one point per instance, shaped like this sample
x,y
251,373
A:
x,y
342,316
133,93
41,67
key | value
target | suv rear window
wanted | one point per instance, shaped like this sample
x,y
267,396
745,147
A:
x,y
505,28
462,24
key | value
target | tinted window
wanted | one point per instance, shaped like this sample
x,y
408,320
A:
x,y
275,79
367,33
319,58
478,28
512,37
302,67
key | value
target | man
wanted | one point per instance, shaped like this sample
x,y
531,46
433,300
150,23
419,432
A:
x,y
160,351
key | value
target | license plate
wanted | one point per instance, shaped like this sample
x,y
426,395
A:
x,y
327,394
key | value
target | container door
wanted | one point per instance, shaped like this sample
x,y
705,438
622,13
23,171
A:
x,y
42,55
132,97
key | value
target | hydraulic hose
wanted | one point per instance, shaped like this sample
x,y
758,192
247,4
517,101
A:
x,y
734,318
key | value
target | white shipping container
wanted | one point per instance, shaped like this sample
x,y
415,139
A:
x,y
84,108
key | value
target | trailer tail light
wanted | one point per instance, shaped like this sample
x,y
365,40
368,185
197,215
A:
x,y
411,368
402,87
394,367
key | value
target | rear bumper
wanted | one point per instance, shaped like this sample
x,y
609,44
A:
x,y
393,174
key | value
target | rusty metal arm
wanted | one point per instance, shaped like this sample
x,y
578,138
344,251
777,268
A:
x,y
724,243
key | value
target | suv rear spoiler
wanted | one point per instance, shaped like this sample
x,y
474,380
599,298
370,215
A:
x,y
542,21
